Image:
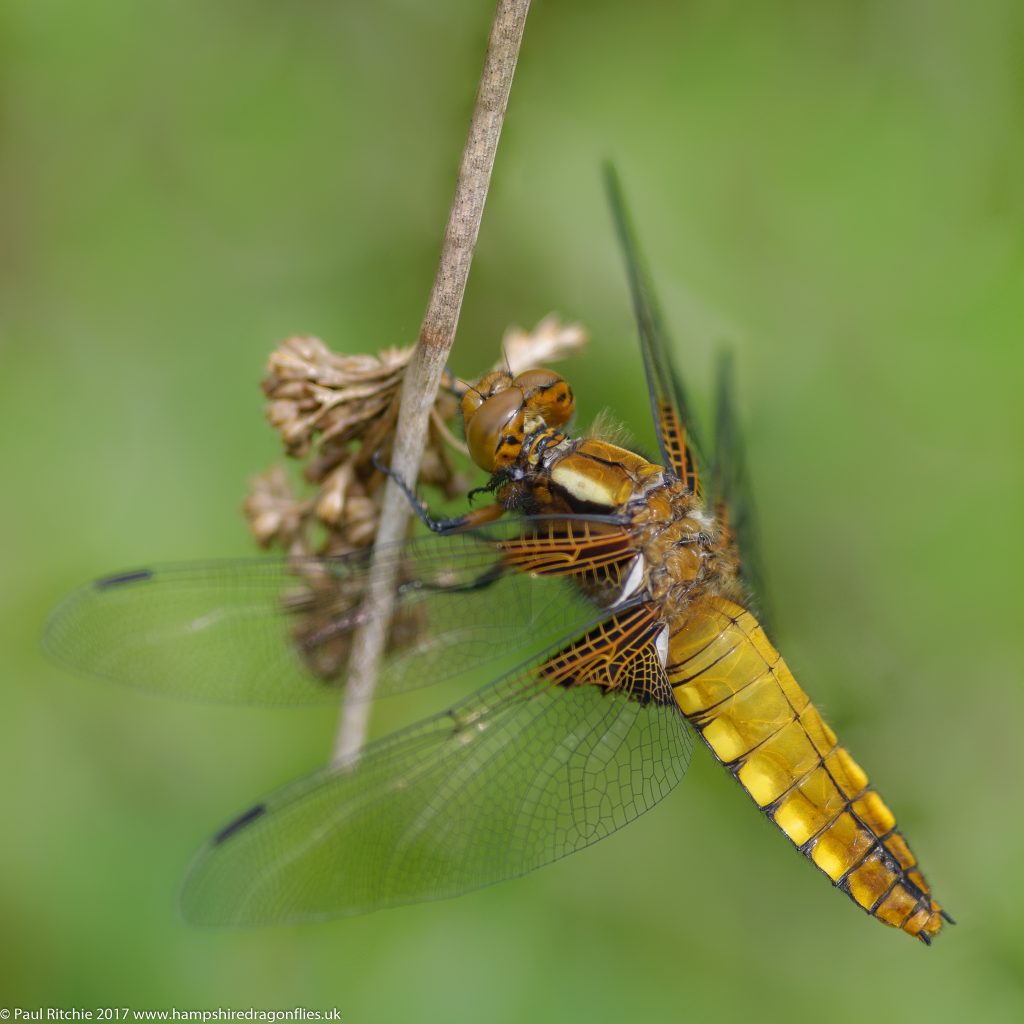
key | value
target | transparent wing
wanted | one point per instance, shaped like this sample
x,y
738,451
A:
x,y
278,631
529,769
733,494
673,418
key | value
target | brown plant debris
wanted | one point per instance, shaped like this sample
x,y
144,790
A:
x,y
548,342
334,414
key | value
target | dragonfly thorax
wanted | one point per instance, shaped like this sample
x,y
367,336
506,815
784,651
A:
x,y
512,429
678,540
675,539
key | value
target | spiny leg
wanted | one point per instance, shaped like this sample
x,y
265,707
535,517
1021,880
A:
x,y
455,524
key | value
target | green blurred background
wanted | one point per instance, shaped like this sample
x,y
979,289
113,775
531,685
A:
x,y
834,190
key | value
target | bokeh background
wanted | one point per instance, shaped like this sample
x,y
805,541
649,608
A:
x,y
835,191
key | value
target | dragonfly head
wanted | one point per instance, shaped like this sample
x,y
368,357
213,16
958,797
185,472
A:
x,y
502,411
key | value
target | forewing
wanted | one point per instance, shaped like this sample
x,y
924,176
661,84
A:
x,y
733,494
522,773
673,418
277,631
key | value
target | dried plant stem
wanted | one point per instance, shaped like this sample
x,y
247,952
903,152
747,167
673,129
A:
x,y
423,375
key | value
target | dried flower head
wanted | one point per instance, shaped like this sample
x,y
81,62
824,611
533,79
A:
x,y
548,342
317,394
337,413
276,515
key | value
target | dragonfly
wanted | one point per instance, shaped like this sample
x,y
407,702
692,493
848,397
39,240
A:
x,y
610,598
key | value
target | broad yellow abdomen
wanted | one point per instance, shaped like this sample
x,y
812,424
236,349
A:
x,y
742,699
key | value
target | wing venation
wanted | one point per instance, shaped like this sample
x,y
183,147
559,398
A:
x,y
277,631
518,775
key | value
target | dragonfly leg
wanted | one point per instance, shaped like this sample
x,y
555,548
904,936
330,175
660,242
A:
x,y
486,579
488,488
468,520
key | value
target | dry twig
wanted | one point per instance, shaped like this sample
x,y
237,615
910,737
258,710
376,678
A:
x,y
429,357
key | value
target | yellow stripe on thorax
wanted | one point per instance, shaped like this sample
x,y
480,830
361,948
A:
x,y
602,473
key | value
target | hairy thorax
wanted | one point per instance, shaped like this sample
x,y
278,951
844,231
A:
x,y
676,539
681,550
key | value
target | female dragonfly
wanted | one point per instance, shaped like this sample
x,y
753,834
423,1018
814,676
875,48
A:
x,y
618,590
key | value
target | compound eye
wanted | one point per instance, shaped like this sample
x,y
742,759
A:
x,y
491,384
548,396
494,433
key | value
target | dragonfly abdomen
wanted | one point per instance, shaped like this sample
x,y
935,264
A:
x,y
740,695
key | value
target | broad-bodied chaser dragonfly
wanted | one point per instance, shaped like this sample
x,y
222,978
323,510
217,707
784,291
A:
x,y
622,587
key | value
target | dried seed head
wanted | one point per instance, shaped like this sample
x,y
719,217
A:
x,y
548,342
317,395
336,412
276,516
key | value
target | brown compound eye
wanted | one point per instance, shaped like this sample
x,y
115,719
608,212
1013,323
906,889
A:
x,y
547,395
498,380
494,432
